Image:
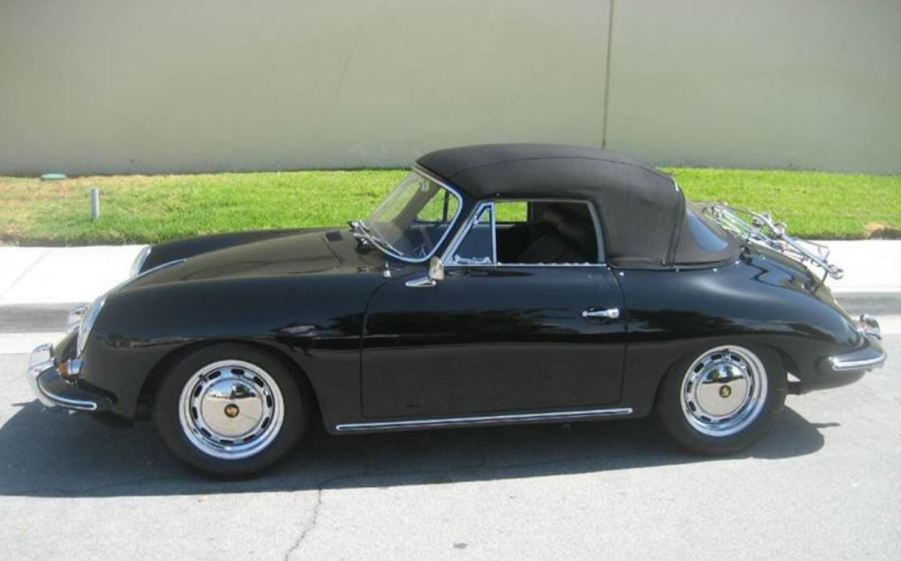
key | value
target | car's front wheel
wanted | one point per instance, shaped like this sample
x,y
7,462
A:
x,y
722,399
229,410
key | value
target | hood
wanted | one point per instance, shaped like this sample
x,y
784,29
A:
x,y
301,254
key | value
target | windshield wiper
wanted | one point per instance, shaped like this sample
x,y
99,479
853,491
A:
x,y
379,241
366,235
360,233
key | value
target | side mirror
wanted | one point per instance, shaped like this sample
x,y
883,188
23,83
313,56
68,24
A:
x,y
436,269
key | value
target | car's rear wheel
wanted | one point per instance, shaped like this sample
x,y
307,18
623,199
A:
x,y
722,399
230,410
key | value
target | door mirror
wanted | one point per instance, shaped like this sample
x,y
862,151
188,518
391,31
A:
x,y
436,269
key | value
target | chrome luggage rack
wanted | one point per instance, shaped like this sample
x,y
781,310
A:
x,y
759,228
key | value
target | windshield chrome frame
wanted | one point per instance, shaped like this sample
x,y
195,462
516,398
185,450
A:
x,y
383,247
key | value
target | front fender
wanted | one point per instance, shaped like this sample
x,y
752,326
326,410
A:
x,y
315,322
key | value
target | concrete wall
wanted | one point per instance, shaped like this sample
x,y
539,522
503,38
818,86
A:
x,y
102,86
763,83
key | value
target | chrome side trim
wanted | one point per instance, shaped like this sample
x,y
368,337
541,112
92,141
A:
x,y
165,265
609,313
139,261
536,265
582,414
840,364
421,282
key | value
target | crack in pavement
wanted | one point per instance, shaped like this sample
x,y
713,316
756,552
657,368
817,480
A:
x,y
308,527
314,516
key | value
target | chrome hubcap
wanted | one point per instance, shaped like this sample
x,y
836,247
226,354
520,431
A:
x,y
724,391
231,409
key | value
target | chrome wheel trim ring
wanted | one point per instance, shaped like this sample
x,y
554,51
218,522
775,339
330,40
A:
x,y
724,391
231,409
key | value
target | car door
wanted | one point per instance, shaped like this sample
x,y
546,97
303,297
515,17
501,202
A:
x,y
492,337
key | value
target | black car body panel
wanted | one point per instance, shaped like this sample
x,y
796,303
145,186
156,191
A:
x,y
189,247
469,346
304,299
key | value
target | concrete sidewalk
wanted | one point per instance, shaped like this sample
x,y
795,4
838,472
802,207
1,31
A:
x,y
40,275
52,275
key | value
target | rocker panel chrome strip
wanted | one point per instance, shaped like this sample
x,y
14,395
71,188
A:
x,y
485,420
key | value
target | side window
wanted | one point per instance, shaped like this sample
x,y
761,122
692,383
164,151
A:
x,y
477,247
531,233
553,233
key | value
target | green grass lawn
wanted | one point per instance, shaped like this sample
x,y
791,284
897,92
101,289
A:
x,y
156,208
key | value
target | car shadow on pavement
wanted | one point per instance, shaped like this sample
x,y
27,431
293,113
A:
x,y
46,454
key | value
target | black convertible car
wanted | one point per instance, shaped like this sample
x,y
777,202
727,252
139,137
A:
x,y
496,284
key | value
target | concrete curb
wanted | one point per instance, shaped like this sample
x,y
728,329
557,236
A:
x,y
42,275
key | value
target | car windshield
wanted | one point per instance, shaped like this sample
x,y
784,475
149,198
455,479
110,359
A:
x,y
414,219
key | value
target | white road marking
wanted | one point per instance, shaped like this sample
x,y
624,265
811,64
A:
x,y
14,343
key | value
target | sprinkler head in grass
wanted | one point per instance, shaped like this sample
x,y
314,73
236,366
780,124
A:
x,y
94,195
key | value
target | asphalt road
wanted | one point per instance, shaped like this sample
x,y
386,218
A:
x,y
824,484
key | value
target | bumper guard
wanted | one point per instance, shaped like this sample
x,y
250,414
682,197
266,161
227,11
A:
x,y
55,392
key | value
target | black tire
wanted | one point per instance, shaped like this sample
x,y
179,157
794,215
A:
x,y
670,413
166,408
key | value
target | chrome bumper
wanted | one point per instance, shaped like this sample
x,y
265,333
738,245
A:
x,y
868,357
52,390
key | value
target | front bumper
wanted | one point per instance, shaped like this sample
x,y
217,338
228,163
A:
x,y
55,392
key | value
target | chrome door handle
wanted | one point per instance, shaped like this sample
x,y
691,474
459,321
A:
x,y
609,313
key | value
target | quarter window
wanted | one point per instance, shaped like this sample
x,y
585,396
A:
x,y
477,247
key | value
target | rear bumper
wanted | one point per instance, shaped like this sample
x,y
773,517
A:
x,y
870,357
55,392
845,368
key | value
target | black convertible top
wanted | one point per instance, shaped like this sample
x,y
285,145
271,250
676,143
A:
x,y
641,209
